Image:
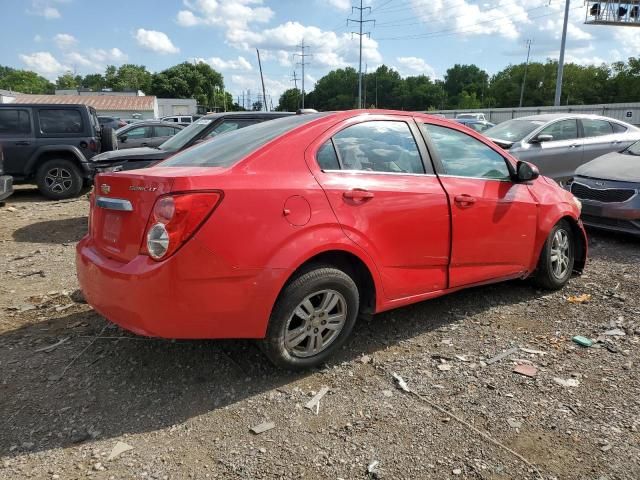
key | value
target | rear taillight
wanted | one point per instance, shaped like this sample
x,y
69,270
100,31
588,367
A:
x,y
93,146
174,219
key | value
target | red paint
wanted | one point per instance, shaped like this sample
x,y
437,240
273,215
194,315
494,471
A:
x,y
420,236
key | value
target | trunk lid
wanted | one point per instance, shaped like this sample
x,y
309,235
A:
x,y
117,227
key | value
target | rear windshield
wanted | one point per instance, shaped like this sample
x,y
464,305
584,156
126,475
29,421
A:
x,y
227,149
513,130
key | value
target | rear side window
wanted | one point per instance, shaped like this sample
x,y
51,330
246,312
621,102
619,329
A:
x,y
139,132
60,121
617,128
227,149
562,130
326,156
14,122
378,146
596,128
162,131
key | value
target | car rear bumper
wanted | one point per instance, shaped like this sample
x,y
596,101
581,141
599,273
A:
x,y
174,299
6,186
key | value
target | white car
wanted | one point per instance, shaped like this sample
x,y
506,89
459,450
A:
x,y
181,119
474,116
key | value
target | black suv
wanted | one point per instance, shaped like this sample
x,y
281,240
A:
x,y
202,129
50,145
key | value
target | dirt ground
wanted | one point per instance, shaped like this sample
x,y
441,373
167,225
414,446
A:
x,y
186,407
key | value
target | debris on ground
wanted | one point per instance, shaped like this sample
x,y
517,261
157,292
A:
x,y
118,449
50,348
371,469
569,382
263,427
400,383
582,341
584,298
526,370
502,355
315,401
616,332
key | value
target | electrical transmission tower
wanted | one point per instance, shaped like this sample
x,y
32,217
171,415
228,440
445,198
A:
x,y
526,66
360,22
294,79
302,63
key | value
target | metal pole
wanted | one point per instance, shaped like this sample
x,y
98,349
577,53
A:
x,y
303,73
360,62
264,95
524,78
556,102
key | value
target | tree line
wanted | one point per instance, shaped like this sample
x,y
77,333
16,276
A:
x,y
468,86
185,80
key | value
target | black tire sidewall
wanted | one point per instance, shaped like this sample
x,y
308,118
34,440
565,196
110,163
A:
x,y
547,277
291,296
76,178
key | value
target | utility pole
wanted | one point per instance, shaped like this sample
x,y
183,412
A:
x,y
360,22
264,95
295,80
526,66
561,60
302,63
366,68
376,89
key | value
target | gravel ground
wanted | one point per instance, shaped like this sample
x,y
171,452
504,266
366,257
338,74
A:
x,y
186,407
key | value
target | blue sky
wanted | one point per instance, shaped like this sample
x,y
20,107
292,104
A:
x,y
413,36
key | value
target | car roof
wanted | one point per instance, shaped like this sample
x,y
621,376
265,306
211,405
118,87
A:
x,y
152,122
547,117
47,105
250,114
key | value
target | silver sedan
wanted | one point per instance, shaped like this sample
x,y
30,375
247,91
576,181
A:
x,y
558,143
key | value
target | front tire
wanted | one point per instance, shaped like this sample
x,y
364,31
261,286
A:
x,y
557,258
311,319
59,179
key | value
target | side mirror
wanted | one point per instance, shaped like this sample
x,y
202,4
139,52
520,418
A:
x,y
123,138
526,172
542,138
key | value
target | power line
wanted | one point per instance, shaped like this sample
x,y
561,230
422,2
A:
x,y
302,63
360,22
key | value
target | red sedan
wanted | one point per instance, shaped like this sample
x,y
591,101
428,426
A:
x,y
287,230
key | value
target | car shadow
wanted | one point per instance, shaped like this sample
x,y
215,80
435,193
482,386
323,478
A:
x,y
66,230
134,384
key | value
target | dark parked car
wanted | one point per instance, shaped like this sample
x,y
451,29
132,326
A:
x,y
112,122
146,133
6,181
609,189
558,143
478,125
199,131
50,145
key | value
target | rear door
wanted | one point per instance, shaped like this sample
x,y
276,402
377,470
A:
x,y
493,220
558,158
384,193
160,134
599,138
136,137
16,139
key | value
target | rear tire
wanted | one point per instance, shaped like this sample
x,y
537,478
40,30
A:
x,y
555,264
311,319
59,179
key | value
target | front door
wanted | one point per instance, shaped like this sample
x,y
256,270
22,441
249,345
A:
x,y
387,202
493,219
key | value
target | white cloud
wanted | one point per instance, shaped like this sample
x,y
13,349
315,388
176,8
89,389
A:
x,y
45,8
44,63
415,65
155,41
229,13
37,38
64,40
218,63
113,55
50,13
340,4
629,40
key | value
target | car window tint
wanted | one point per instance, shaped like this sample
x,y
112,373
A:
x,y
14,122
162,131
139,132
327,158
225,150
617,128
464,156
379,146
230,125
596,128
60,121
562,130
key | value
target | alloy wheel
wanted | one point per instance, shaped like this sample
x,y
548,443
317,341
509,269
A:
x,y
315,323
58,180
560,254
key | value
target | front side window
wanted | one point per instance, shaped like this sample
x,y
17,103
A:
x,y
60,121
378,146
596,128
562,130
139,132
162,131
617,128
14,122
464,156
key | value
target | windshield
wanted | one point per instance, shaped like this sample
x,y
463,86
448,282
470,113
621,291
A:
x,y
634,149
513,130
180,139
227,149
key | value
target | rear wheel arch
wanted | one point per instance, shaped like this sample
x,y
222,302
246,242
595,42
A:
x,y
42,156
580,243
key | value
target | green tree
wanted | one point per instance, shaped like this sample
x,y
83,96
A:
x,y
24,81
188,80
66,81
289,100
468,78
94,81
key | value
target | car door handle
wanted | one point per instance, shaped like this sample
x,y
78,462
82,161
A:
x,y
23,144
574,145
144,144
464,200
358,194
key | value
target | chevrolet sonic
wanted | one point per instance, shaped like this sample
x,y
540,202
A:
x,y
287,231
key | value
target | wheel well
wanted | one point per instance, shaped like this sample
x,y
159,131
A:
x,y
579,244
352,266
55,155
